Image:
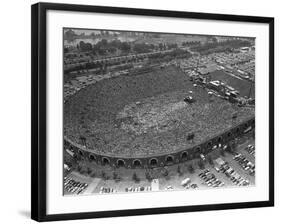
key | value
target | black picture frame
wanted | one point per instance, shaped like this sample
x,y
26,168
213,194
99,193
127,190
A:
x,y
39,122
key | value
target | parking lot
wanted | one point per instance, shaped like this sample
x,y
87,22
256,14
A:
x,y
225,170
76,184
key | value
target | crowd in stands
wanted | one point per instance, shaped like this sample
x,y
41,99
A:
x,y
169,128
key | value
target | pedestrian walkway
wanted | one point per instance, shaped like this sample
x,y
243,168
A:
x,y
92,186
79,177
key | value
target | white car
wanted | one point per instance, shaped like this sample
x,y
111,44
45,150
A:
x,y
217,169
169,188
185,182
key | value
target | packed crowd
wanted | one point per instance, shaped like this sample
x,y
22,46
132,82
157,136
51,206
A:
x,y
78,83
203,117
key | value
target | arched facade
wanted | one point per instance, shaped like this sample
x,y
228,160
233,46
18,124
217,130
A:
x,y
169,159
137,163
120,163
162,159
105,161
92,157
153,162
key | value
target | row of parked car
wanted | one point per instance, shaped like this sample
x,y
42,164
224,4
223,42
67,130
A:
x,y
210,179
233,175
193,186
245,163
250,149
106,190
186,183
138,189
73,186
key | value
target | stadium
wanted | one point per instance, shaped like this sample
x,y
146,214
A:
x,y
143,120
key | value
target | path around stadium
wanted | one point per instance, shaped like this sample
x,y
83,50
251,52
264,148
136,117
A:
x,y
92,186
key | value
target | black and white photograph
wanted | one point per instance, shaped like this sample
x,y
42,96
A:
x,y
151,111
142,111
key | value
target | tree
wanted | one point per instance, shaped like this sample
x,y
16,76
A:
x,y
85,46
210,160
70,35
222,153
160,46
89,171
165,172
191,168
253,134
104,176
136,178
179,170
233,146
125,47
93,34
141,48
79,168
201,164
230,148
93,174
116,177
172,45
148,176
